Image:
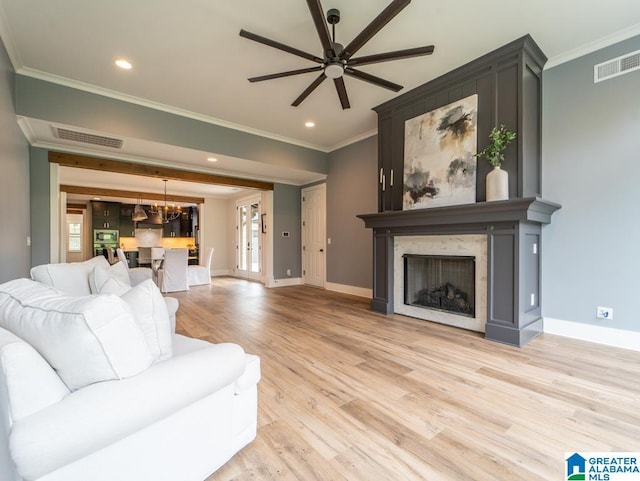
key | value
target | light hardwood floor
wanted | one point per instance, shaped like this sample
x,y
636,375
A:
x,y
348,394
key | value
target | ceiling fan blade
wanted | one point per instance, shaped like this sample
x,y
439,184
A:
x,y
342,92
279,46
285,74
372,79
309,89
370,30
317,14
395,55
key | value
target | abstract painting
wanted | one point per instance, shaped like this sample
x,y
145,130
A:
x,y
439,162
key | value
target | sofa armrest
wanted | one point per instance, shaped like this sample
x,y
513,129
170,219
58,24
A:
x,y
95,416
30,382
172,308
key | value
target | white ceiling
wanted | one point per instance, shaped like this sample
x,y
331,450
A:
x,y
188,56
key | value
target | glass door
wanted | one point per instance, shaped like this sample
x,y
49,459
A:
x,y
248,245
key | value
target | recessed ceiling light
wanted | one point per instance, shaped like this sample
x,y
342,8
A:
x,y
123,64
96,198
212,159
309,124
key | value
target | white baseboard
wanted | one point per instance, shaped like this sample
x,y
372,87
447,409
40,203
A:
x,y
220,272
345,289
592,333
289,281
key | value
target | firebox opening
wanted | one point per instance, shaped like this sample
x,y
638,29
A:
x,y
444,283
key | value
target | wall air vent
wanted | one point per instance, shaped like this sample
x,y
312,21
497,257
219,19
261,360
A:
x,y
617,66
86,138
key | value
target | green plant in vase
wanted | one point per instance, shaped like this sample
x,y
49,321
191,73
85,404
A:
x,y
497,182
494,152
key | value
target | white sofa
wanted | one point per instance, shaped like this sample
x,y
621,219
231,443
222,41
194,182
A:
x,y
100,388
79,278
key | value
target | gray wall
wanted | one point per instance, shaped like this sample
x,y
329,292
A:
x,y
286,218
40,206
591,165
351,189
14,181
56,103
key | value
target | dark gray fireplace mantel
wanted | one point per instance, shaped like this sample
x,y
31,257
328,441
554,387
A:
x,y
513,228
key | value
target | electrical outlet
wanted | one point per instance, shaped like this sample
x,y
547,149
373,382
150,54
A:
x,y
289,272
604,312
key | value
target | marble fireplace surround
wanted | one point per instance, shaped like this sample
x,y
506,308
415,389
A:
x,y
472,245
512,229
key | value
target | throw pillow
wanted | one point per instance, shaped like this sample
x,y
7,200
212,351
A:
x,y
71,278
150,313
100,274
115,287
85,339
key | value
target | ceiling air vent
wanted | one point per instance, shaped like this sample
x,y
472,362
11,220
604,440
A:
x,y
617,66
86,138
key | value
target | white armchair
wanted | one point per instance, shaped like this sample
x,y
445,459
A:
x,y
136,274
201,274
172,276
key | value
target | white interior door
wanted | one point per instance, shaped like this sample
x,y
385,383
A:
x,y
248,248
313,235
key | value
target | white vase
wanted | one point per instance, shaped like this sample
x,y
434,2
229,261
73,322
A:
x,y
497,184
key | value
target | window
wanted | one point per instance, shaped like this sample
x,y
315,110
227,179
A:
x,y
74,233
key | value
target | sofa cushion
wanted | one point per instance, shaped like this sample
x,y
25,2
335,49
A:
x,y
85,339
71,278
31,382
100,274
150,312
98,415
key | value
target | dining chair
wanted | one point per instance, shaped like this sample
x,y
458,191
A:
x,y
136,274
201,274
108,253
172,276
144,256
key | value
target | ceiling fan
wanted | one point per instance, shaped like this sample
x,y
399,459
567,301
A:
x,y
337,60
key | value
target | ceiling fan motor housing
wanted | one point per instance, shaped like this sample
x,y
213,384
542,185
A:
x,y
333,16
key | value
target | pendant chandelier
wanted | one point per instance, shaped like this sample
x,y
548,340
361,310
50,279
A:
x,y
168,212
138,212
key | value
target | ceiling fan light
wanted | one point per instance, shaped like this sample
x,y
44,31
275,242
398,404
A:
x,y
334,70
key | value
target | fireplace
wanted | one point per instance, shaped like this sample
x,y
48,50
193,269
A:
x,y
508,307
446,279
444,283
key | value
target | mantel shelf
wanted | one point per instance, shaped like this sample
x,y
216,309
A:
x,y
531,209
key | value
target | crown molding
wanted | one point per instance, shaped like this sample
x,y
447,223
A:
x,y
353,140
94,89
593,46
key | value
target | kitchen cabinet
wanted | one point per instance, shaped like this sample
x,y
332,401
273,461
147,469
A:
x,y
183,226
172,228
132,258
105,215
189,222
127,226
